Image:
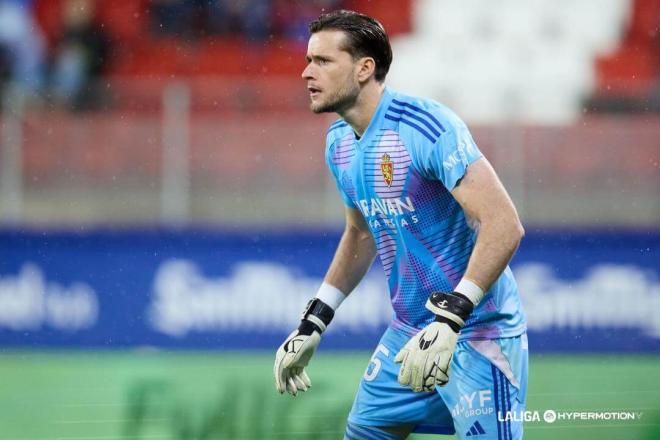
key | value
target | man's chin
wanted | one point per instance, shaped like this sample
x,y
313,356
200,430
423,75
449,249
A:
x,y
318,107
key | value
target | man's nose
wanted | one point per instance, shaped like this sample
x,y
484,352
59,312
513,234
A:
x,y
308,72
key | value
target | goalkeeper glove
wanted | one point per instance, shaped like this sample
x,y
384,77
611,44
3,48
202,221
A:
x,y
294,354
426,357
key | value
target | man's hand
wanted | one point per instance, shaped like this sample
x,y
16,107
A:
x,y
426,358
291,359
294,354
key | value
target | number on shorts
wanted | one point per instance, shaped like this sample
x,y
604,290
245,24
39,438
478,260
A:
x,y
374,365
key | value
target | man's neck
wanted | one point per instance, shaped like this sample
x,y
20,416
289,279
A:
x,y
359,115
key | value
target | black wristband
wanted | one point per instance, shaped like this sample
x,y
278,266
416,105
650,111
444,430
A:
x,y
308,327
453,325
316,317
454,303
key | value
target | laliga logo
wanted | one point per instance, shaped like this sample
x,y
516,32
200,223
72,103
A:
x,y
549,416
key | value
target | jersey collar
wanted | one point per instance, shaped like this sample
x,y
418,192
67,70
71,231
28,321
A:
x,y
374,125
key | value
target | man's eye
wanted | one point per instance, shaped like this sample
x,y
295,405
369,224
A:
x,y
323,62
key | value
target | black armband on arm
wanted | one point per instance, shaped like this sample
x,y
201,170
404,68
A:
x,y
316,317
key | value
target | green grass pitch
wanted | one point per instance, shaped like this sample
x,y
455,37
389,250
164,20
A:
x,y
218,395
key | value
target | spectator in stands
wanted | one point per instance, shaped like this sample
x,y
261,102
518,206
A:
x,y
80,57
196,18
4,66
292,16
174,17
251,18
22,46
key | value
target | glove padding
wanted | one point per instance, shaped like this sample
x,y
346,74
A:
x,y
426,357
290,361
294,354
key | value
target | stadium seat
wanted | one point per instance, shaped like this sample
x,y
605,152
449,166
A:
x,y
489,63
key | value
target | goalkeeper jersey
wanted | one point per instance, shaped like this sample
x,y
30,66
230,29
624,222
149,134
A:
x,y
399,175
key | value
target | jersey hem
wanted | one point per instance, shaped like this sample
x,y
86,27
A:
x,y
410,331
512,333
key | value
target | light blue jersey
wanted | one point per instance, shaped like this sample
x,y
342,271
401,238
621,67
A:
x,y
485,397
400,175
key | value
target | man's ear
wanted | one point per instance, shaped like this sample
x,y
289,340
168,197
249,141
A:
x,y
366,68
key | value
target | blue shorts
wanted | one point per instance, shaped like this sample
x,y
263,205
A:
x,y
484,399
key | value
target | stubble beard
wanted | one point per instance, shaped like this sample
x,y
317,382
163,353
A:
x,y
340,101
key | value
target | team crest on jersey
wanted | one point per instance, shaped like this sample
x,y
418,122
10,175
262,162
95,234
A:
x,y
387,168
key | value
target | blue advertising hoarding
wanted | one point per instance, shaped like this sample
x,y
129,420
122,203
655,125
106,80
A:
x,y
232,289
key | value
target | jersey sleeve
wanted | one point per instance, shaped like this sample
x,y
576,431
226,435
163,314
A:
x,y
336,172
448,158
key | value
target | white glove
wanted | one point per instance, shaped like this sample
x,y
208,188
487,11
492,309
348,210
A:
x,y
294,354
426,357
291,359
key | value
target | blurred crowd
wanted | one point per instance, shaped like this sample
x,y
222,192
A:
x,y
254,20
54,52
63,70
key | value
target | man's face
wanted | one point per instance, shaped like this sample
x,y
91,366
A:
x,y
331,73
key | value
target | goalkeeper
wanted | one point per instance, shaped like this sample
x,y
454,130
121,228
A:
x,y
421,196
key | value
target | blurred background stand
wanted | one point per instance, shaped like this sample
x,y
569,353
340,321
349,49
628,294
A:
x,y
166,210
11,154
175,197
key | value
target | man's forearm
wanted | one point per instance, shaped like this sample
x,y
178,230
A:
x,y
496,243
353,258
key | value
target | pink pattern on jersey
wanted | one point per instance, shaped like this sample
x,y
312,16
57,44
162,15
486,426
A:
x,y
459,240
389,150
386,246
344,152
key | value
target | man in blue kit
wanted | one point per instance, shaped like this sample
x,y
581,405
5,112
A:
x,y
420,195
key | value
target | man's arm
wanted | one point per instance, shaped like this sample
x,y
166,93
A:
x,y
355,254
425,359
484,199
